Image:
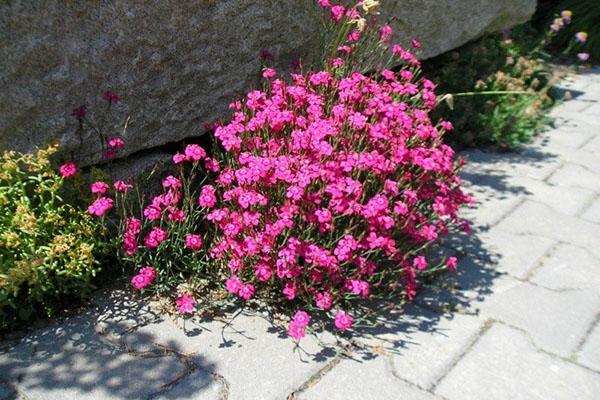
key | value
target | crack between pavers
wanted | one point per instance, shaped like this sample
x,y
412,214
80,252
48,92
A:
x,y
539,349
390,364
587,206
186,359
586,336
487,324
342,353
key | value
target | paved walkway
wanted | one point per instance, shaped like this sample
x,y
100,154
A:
x,y
520,322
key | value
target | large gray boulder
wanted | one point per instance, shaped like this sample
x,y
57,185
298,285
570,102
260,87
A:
x,y
177,64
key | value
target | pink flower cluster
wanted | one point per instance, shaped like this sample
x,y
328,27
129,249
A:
x,y
144,277
330,183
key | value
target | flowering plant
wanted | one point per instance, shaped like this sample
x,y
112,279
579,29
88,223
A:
x,y
334,184
49,249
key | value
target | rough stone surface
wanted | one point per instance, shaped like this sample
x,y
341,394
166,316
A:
x,y
177,65
505,365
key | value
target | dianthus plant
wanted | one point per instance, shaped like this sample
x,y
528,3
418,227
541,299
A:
x,y
334,185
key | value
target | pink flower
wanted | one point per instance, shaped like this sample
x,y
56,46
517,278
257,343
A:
x,y
79,112
343,321
269,73
415,43
99,187
100,206
155,237
324,3
301,319
246,291
145,277
110,97
67,170
581,37
386,33
337,12
149,271
109,154
324,301
289,290
194,152
178,158
185,303
116,143
451,263
171,182
265,55
566,15
233,284
420,263
583,56
140,281
193,241
121,186
207,197
211,164
296,332
152,213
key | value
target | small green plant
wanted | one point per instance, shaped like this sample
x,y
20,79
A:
x,y
500,91
48,248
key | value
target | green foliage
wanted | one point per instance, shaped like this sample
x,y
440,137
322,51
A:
x,y
585,18
48,248
481,70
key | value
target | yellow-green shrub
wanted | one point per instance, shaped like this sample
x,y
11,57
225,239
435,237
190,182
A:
x,y
48,248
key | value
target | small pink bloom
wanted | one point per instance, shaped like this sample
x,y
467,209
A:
x,y
337,12
420,263
99,187
194,152
116,143
110,154
79,112
171,182
324,3
110,97
140,281
67,170
324,300
581,37
246,291
269,73
343,321
451,263
415,43
100,206
193,241
178,158
121,186
583,56
207,197
185,303
265,55
233,284
149,271
296,332
301,319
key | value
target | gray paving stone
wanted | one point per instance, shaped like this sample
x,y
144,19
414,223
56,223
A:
x,y
532,162
568,267
504,364
515,254
70,362
422,344
592,213
490,207
576,175
582,157
365,380
570,137
538,219
556,321
562,198
594,144
256,362
589,355
195,386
